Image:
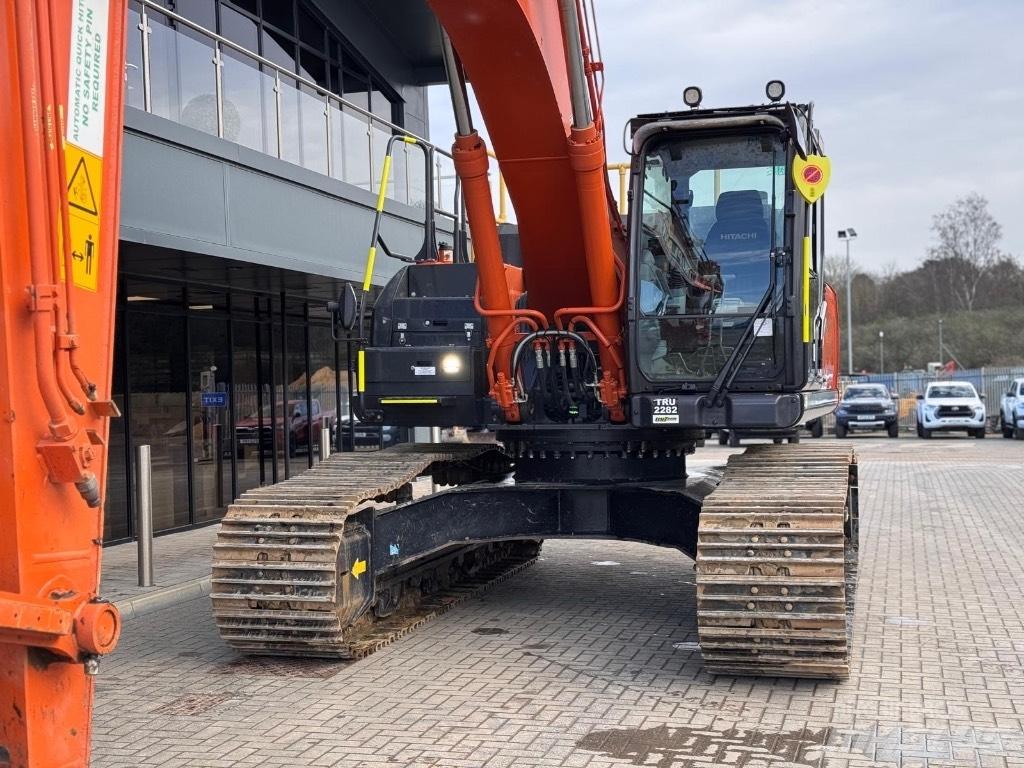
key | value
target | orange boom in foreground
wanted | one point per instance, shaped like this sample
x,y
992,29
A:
x,y
61,70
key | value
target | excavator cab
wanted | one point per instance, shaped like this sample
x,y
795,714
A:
x,y
726,322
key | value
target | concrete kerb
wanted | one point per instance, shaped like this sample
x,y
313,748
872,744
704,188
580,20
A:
x,y
139,605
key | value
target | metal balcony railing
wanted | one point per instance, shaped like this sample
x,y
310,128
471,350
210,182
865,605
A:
x,y
181,71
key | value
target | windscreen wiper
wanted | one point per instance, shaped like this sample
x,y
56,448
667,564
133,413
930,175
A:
x,y
720,387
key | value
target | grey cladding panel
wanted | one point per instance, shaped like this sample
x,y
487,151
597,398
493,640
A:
x,y
269,215
187,201
168,190
273,216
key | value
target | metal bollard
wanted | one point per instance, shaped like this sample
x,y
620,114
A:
x,y
144,514
435,437
325,443
218,464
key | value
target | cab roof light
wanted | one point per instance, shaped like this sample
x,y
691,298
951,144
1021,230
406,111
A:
x,y
775,90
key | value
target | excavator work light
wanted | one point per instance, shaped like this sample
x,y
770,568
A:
x,y
775,90
692,96
451,363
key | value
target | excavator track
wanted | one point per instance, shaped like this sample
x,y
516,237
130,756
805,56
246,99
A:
x,y
286,578
776,563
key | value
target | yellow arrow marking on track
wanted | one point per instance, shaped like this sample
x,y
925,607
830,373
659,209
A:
x,y
359,568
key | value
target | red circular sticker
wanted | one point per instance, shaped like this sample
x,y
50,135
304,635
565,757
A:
x,y
812,174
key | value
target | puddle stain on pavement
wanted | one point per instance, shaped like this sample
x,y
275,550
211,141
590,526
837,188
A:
x,y
735,747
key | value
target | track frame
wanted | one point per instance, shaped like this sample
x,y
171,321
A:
x,y
343,559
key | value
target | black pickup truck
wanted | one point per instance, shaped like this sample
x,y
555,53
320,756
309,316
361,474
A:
x,y
867,408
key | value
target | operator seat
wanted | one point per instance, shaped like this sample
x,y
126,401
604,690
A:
x,y
740,224
740,241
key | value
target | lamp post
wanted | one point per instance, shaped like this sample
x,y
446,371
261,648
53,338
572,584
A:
x,y
846,235
881,351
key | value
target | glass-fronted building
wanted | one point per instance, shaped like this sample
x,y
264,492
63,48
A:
x,y
255,131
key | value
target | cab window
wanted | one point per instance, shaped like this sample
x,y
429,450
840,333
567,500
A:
x,y
712,212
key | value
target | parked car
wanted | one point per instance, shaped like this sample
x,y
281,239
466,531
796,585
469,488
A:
x,y
249,434
950,406
370,436
733,439
1011,410
867,408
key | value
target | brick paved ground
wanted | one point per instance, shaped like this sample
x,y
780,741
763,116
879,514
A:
x,y
589,658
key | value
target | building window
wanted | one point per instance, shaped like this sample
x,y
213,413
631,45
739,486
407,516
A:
x,y
229,391
294,35
263,107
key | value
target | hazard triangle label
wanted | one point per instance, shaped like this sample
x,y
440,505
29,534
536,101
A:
x,y
80,190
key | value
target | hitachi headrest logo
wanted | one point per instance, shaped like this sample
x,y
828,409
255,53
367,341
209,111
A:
x,y
739,236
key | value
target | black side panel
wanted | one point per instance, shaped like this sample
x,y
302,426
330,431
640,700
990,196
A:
x,y
740,410
417,386
442,280
425,364
666,516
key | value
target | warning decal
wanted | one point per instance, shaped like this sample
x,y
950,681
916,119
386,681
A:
x,y
85,179
83,147
87,79
811,176
80,191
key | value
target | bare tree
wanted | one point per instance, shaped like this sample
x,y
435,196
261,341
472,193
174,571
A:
x,y
835,273
967,249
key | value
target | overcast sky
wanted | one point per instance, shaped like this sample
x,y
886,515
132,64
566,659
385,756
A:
x,y
918,102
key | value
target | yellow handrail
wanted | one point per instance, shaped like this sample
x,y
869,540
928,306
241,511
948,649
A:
x,y
623,169
502,200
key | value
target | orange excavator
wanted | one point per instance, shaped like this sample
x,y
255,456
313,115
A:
x,y
586,374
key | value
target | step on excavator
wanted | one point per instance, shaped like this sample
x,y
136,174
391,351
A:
x,y
586,375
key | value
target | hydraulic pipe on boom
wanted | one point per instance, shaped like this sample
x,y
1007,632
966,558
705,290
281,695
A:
x,y
471,164
587,156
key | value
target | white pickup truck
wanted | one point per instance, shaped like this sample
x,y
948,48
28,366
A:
x,y
950,406
1011,410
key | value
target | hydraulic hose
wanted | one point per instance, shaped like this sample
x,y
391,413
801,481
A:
x,y
521,344
56,208
88,387
43,289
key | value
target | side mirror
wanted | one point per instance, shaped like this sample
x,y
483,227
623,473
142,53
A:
x,y
920,397
983,397
346,308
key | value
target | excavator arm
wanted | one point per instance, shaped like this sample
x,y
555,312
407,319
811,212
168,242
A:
x,y
61,66
536,90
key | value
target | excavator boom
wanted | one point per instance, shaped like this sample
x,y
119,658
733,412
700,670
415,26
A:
x,y
61,65
534,83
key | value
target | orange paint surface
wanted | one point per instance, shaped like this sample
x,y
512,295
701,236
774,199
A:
x,y
50,542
